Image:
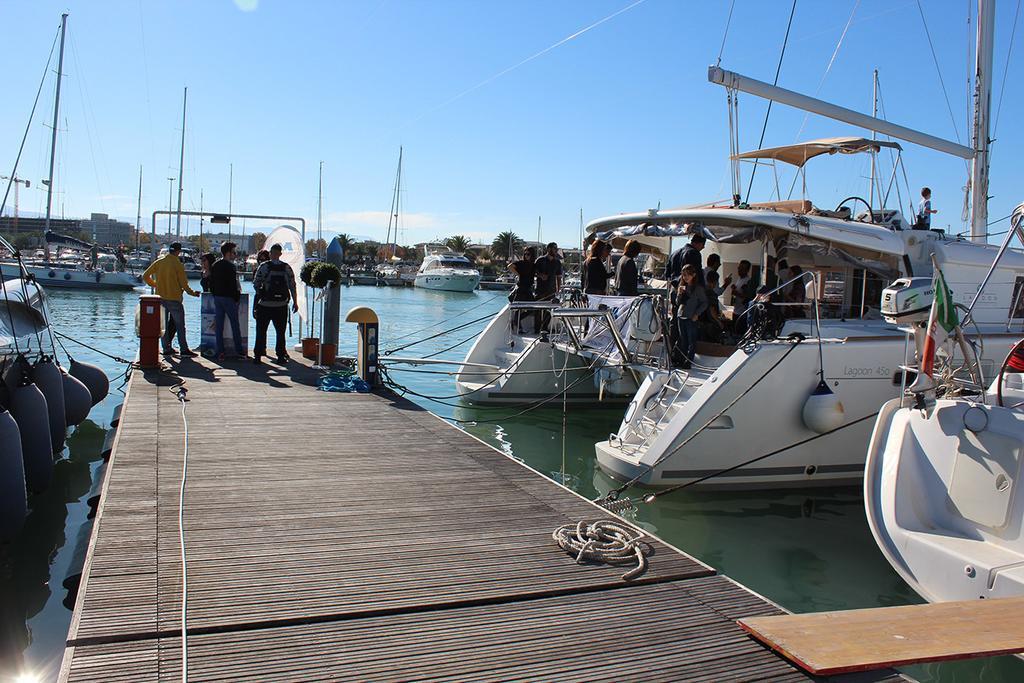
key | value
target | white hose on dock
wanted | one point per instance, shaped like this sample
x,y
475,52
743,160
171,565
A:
x,y
604,541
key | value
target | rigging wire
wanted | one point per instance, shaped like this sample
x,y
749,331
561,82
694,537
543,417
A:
x,y
728,22
768,112
938,71
1006,68
28,127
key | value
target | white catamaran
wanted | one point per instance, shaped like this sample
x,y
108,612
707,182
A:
x,y
797,409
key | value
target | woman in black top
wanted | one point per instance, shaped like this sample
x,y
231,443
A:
x,y
627,275
206,263
525,270
595,273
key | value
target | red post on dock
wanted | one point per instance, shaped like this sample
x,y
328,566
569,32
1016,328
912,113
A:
x,y
148,328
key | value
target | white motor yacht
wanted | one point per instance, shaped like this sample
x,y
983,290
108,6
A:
x,y
447,272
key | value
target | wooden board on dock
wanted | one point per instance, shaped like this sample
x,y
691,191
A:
x,y
880,637
361,537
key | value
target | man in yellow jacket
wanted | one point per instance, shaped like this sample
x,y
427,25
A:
x,y
167,276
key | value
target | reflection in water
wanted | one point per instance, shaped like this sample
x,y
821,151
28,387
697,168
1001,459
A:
x,y
805,549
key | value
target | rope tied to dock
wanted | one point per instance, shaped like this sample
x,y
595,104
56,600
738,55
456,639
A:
x,y
604,541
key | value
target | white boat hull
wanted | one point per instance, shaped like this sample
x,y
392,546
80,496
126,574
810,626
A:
x,y
942,501
70,278
863,373
448,282
506,368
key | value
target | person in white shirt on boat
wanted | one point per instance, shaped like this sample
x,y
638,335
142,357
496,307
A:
x,y
925,210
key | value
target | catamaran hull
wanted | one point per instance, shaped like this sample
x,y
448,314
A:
x,y
768,418
448,282
65,278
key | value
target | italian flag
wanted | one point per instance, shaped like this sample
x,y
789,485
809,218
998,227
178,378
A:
x,y
942,320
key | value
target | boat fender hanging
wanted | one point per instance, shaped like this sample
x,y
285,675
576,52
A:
x,y
52,273
47,377
67,276
77,399
823,411
13,504
28,407
92,377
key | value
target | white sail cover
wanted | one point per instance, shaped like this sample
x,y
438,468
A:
x,y
294,254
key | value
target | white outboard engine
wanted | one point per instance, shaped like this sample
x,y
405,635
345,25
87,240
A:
x,y
907,301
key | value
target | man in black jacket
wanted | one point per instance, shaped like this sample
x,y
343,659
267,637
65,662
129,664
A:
x,y
226,292
687,255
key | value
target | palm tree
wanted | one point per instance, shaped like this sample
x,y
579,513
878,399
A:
x,y
258,238
505,245
457,243
345,242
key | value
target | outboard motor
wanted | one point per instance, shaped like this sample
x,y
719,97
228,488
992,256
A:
x,y
13,504
47,377
29,409
907,301
92,377
77,399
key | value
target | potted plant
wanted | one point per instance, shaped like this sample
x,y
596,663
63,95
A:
x,y
310,344
326,275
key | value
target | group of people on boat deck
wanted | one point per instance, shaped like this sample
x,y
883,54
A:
x,y
274,285
539,279
598,270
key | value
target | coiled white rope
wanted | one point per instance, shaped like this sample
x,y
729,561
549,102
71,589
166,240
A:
x,y
604,541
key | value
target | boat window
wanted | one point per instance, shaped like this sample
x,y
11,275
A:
x,y
1017,308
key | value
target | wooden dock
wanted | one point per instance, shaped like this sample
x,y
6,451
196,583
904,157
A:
x,y
359,537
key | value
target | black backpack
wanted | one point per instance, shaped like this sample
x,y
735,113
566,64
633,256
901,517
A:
x,y
275,286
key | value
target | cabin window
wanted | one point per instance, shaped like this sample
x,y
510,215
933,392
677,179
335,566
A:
x,y
1017,307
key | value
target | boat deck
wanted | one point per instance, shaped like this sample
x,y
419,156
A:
x,y
360,537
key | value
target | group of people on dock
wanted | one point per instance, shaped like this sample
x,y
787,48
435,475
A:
x,y
274,289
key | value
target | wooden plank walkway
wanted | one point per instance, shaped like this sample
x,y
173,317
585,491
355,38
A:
x,y
865,639
361,537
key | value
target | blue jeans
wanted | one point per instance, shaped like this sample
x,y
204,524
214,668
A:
x,y
688,331
226,306
175,325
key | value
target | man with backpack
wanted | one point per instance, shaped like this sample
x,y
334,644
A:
x,y
274,283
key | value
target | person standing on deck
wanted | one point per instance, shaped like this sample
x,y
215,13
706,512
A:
x,y
627,275
687,255
524,269
548,269
596,269
226,294
167,277
274,283
925,210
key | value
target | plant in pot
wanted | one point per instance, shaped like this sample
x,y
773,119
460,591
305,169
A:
x,y
326,275
310,343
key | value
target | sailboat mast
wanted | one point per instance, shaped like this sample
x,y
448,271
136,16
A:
x,y
319,205
138,212
231,192
398,200
538,229
982,106
56,114
874,136
181,160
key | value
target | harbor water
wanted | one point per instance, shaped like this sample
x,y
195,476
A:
x,y
808,550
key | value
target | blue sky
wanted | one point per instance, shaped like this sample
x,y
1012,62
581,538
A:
x,y
619,118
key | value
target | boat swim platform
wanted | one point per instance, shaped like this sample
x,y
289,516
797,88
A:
x,y
360,537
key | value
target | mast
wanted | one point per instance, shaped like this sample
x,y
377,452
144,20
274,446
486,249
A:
x,y
538,229
874,136
56,114
231,187
181,160
200,219
138,212
982,106
393,217
319,205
